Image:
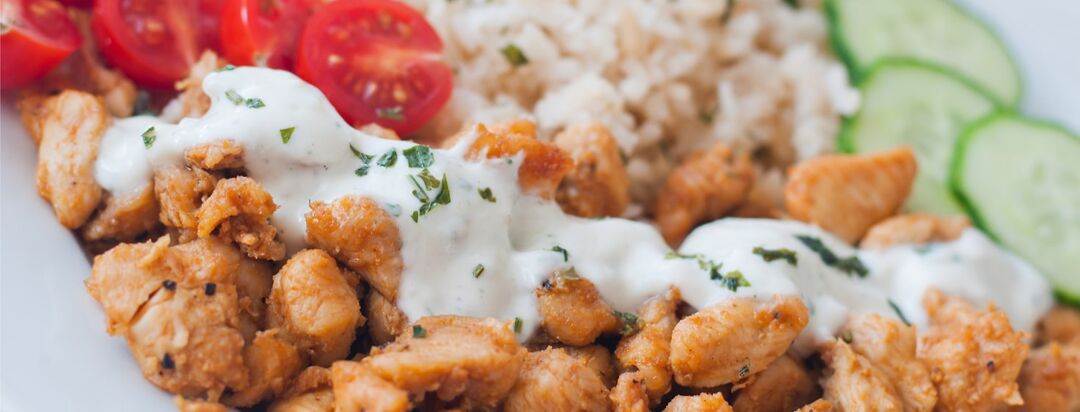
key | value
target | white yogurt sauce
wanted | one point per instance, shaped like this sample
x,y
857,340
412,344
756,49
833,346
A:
x,y
513,237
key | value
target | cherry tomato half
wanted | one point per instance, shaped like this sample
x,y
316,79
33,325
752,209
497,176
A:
x,y
377,61
262,32
35,36
154,42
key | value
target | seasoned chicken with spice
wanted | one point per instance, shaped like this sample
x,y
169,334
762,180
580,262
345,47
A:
x,y
124,218
552,380
705,402
648,349
629,393
1050,378
706,186
220,155
360,233
543,164
915,228
852,383
451,356
572,311
240,210
735,339
597,184
973,356
315,307
71,133
846,195
782,387
890,346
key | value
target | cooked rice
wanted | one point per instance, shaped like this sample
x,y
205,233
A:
x,y
665,76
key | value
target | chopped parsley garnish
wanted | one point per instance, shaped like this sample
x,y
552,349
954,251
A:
x,y
478,270
286,134
517,325
792,3
899,313
210,289
774,254
237,99
849,265
234,97
559,249
388,159
430,182
429,203
485,194
149,137
419,156
732,280
419,331
630,322
514,55
362,170
364,157
226,68
392,113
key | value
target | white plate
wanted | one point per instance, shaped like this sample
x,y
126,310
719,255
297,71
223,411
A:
x,y
55,355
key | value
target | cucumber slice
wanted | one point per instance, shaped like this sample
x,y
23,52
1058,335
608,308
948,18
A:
x,y
1020,179
865,31
923,107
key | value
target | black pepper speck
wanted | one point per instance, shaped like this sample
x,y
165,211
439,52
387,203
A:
x,y
167,362
169,284
210,289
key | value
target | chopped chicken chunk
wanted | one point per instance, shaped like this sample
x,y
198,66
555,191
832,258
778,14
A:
x,y
706,186
357,231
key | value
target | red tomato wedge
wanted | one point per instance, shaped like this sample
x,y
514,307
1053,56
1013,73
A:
x,y
35,36
262,32
154,42
377,61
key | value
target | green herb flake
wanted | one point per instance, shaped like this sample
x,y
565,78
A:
x,y
149,137
631,324
394,209
478,270
847,337
518,324
286,134
775,254
364,157
234,97
388,159
559,249
362,170
419,156
254,103
226,68
485,194
899,313
792,3
427,202
732,280
849,265
393,113
419,332
514,55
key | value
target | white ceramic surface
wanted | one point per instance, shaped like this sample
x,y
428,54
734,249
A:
x,y
55,355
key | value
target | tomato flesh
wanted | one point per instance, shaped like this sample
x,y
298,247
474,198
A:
x,y
154,42
35,36
377,61
262,32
